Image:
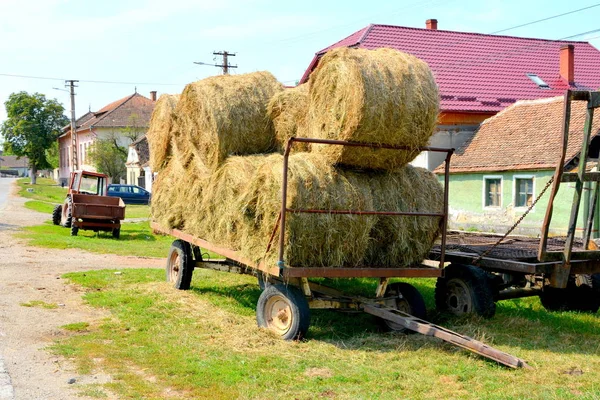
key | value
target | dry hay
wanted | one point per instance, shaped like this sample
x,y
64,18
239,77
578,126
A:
x,y
219,216
398,241
159,131
287,110
379,96
225,115
312,240
176,195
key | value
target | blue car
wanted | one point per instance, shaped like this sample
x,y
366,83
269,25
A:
x,y
131,194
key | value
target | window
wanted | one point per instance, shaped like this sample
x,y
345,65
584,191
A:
x,y
538,81
492,191
523,191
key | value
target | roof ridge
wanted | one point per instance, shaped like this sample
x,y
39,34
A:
x,y
366,32
474,33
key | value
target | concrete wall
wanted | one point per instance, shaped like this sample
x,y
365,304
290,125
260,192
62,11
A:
x,y
467,210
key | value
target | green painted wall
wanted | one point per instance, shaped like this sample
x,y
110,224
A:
x,y
467,211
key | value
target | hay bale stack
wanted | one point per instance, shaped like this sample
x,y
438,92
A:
x,y
380,96
398,241
159,131
226,115
287,110
312,240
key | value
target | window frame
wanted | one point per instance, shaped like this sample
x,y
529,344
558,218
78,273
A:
x,y
515,190
484,192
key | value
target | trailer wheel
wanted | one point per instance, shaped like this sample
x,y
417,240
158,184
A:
x,y
180,266
407,299
57,214
465,289
67,213
581,294
74,230
284,310
116,233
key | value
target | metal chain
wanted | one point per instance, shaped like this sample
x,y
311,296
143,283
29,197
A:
x,y
485,253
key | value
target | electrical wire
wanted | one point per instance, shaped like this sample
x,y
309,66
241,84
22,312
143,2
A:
x,y
545,19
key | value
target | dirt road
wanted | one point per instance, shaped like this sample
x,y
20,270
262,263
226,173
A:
x,y
28,274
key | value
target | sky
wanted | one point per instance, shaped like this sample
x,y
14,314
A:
x,y
115,47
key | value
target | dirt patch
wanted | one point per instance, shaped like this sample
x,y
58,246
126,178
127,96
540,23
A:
x,y
34,274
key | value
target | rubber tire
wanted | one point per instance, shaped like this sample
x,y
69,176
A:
x,y
415,301
116,233
57,214
183,277
477,285
69,212
298,307
74,230
583,298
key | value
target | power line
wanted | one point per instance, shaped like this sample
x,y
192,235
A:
x,y
92,81
545,19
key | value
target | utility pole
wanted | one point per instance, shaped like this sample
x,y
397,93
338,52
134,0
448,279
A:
x,y
225,64
71,84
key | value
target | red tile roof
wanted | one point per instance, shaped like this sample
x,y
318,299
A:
x,y
131,110
477,72
525,136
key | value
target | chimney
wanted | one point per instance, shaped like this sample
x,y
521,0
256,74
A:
x,y
431,24
153,95
567,62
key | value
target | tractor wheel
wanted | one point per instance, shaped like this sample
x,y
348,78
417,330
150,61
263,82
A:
x,y
180,265
465,289
116,233
74,230
56,214
283,310
67,213
407,299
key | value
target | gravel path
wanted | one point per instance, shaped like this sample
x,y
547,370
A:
x,y
31,273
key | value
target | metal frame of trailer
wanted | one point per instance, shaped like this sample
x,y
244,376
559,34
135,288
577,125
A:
x,y
288,294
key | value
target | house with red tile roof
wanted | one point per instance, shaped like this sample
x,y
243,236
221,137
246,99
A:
x,y
138,164
496,176
111,121
479,75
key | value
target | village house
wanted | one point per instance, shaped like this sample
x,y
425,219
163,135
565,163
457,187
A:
x,y
479,75
497,175
117,121
18,164
138,164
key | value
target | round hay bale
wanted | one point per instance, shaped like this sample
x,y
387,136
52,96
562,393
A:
x,y
311,240
177,195
220,217
226,115
159,131
402,241
287,110
378,96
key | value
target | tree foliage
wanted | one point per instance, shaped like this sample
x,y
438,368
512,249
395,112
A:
x,y
108,158
32,126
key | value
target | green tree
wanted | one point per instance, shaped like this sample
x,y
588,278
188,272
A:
x,y
108,158
32,126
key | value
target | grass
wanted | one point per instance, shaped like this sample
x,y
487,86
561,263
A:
x,y
40,304
136,239
204,343
76,327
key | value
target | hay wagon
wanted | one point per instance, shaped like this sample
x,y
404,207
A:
x,y
288,293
